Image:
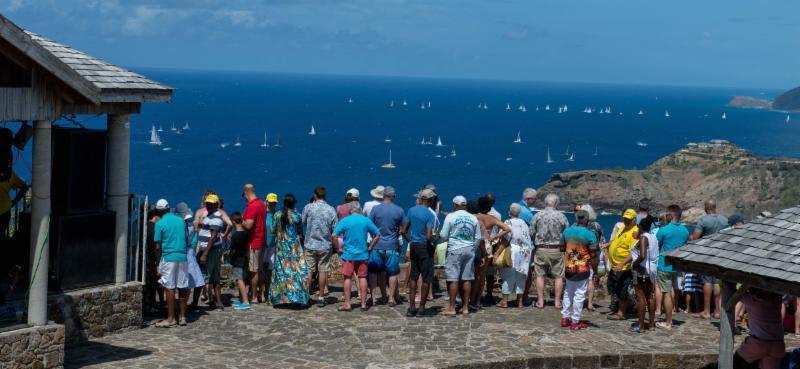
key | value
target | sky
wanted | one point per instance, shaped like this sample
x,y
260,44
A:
x,y
696,43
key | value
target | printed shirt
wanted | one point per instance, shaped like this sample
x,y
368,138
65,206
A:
x,y
170,231
419,218
256,211
581,246
13,182
208,224
389,218
547,226
319,219
355,229
460,229
621,245
670,237
520,234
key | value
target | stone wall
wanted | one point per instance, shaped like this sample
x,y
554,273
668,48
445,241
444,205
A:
x,y
98,311
33,347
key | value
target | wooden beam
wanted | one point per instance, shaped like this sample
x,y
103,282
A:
x,y
142,96
778,286
726,326
103,108
730,304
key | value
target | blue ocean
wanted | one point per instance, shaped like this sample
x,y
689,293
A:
x,y
359,120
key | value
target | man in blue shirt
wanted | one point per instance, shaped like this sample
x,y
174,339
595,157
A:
x,y
418,231
384,259
526,204
670,237
355,251
170,239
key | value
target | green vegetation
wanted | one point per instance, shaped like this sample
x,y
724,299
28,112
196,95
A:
x,y
710,171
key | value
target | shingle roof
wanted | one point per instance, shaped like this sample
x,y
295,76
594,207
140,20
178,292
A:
x,y
768,248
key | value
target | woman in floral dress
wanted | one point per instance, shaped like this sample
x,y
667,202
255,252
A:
x,y
290,277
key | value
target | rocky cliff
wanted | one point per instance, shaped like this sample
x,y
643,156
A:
x,y
749,102
789,100
737,180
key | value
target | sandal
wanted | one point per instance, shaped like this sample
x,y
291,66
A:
x,y
635,329
450,314
502,306
165,324
342,308
182,322
615,317
663,325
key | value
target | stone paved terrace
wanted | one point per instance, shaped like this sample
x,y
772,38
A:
x,y
384,338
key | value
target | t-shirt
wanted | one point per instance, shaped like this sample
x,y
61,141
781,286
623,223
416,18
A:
x,y
239,245
170,231
208,224
256,211
670,237
621,245
419,217
581,246
5,188
355,228
711,223
460,229
369,205
272,231
389,218
319,219
342,211
525,213
764,311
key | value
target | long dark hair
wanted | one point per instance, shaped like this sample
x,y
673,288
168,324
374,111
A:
x,y
288,204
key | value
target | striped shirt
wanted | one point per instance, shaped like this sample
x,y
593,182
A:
x,y
210,223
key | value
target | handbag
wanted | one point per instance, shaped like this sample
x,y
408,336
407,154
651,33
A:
x,y
502,259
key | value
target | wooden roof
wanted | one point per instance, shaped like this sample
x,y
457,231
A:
x,y
764,253
95,79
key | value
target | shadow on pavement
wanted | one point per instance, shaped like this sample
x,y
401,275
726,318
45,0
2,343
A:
x,y
95,353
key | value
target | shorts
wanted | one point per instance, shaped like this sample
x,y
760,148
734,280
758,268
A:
x,y
709,279
549,262
641,278
269,258
421,262
358,266
254,260
318,261
174,274
666,280
692,283
459,264
384,260
237,270
211,268
619,283
768,354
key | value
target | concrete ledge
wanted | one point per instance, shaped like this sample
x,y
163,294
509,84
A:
x,y
98,311
33,347
602,361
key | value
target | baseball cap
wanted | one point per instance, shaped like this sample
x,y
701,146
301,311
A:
x,y
629,214
426,194
162,204
460,200
354,206
354,192
211,198
182,210
271,197
389,191
377,192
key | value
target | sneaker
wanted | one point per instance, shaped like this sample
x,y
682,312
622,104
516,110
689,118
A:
x,y
242,307
580,325
564,322
321,303
236,303
411,312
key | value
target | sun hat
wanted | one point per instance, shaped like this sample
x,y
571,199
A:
x,y
629,214
182,210
212,199
272,197
162,204
377,192
460,200
431,187
426,194
353,192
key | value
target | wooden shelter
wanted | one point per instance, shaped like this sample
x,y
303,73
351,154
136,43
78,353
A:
x,y
41,81
764,253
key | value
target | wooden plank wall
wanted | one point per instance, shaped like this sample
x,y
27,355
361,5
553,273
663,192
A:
x,y
37,103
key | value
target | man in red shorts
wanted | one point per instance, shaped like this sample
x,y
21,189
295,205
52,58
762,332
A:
x,y
355,251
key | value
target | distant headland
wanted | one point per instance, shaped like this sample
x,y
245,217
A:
x,y
787,101
739,182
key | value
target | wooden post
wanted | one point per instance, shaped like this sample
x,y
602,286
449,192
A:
x,y
726,325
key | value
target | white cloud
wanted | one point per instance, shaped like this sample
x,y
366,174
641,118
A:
x,y
141,21
15,5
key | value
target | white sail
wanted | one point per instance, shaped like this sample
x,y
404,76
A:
x,y
349,100
405,102
724,116
518,139
595,151
160,128
547,107
173,129
387,139
312,131
277,144
666,113
423,142
429,104
549,159
389,165
453,152
154,138
787,118
265,141
566,153
508,106
571,157
238,143
439,141
641,112
186,126
391,104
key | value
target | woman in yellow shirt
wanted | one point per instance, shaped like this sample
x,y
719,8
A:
x,y
620,276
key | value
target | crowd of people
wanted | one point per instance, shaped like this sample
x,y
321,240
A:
x,y
284,256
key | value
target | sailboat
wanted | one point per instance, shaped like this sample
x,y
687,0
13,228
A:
x,y
439,141
186,126
485,106
787,118
391,104
429,104
641,144
595,151
508,106
387,139
389,165
571,157
349,100
724,116
566,153
238,143
277,144
265,145
641,112
405,102
423,142
422,106
549,159
453,152
312,131
560,109
666,114
173,129
547,107
161,128
154,138
518,139
178,131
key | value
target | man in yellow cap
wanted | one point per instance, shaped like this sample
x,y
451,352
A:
x,y
619,254
269,251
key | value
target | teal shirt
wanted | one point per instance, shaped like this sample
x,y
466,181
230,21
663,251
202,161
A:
x,y
170,231
670,237
271,236
355,228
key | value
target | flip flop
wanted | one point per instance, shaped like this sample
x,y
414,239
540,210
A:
x,y
449,313
165,324
663,325
615,317
342,308
182,322
501,306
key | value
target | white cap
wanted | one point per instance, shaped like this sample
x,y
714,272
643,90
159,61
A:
x,y
460,200
162,204
354,192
